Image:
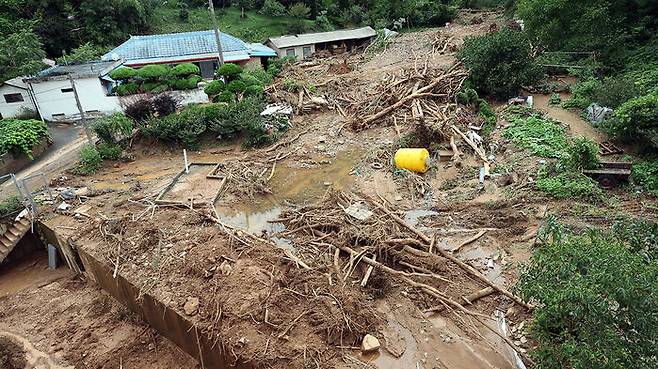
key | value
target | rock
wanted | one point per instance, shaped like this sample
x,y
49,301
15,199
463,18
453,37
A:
x,y
191,306
84,191
398,198
507,179
322,139
226,268
63,206
370,343
67,194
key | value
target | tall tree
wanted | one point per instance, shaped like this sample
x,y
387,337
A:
x,y
21,53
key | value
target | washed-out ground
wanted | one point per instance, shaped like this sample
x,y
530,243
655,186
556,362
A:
x,y
275,291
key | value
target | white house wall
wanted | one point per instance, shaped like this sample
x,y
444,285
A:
x,y
299,51
9,110
52,101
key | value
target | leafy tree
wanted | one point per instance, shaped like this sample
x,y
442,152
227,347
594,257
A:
x,y
273,8
229,71
636,120
123,73
597,302
299,11
21,54
499,63
243,4
20,136
83,53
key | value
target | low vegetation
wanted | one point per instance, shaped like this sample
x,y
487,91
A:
x,y
90,161
155,78
10,206
607,280
20,136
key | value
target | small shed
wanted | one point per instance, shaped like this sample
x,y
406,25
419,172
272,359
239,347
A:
x,y
305,45
15,99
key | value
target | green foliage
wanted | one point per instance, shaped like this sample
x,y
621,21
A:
x,y
249,80
214,88
110,152
432,13
615,91
83,53
236,87
568,185
272,8
185,128
10,205
499,63
254,91
125,89
543,137
19,136
299,11
555,99
188,83
291,85
259,73
489,116
153,72
123,73
90,160
185,70
583,94
597,302
21,53
275,65
640,236
229,71
580,154
110,129
635,119
645,174
226,97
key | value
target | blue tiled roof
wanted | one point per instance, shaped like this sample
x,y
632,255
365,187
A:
x,y
175,46
261,50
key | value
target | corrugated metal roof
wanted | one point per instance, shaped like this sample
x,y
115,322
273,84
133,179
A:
x,y
171,47
17,82
314,38
261,50
79,70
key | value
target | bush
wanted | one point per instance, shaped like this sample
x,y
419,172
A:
x,y
299,11
214,88
259,73
126,88
542,137
568,185
596,302
229,71
275,65
154,87
110,152
236,86
183,12
189,83
636,120
583,94
580,154
555,99
123,74
164,104
254,91
645,174
185,128
433,13
249,80
272,8
225,97
615,91
291,85
138,110
111,129
153,72
19,136
185,70
90,160
10,205
500,63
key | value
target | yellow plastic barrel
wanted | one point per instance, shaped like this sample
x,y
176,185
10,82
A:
x,y
415,160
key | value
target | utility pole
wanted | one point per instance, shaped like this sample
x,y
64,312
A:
x,y
217,34
82,112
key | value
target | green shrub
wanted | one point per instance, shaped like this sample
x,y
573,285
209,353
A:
x,y
489,116
583,94
225,97
580,154
432,13
568,185
291,85
645,174
555,99
229,71
123,74
189,83
10,205
90,160
109,128
19,136
254,91
614,91
214,88
259,73
272,8
110,152
185,128
500,63
596,302
299,11
153,72
542,137
275,65
249,80
236,86
126,88
636,120
185,70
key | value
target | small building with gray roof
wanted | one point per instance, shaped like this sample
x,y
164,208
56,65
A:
x,y
305,45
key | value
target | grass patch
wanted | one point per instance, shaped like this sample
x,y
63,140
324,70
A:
x,y
10,205
253,28
542,137
645,174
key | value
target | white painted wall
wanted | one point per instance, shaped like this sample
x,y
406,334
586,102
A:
x,y
9,110
299,51
51,100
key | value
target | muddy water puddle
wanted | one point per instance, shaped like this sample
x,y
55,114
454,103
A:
x,y
290,186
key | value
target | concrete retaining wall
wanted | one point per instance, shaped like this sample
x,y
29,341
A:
x,y
12,164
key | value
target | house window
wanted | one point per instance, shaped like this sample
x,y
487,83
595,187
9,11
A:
x,y
65,90
307,51
13,98
290,52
